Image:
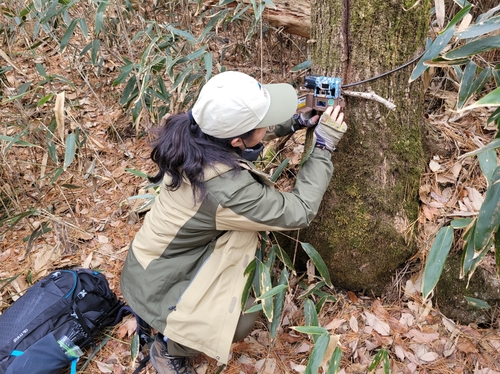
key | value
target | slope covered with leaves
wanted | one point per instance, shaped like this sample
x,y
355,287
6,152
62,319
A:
x,y
65,198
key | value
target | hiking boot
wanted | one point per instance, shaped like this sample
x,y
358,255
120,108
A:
x,y
166,364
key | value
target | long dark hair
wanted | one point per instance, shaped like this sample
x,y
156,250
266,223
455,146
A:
x,y
182,149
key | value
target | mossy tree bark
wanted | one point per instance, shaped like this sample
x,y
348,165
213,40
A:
x,y
364,228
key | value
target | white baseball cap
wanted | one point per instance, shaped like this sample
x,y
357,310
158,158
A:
x,y
233,103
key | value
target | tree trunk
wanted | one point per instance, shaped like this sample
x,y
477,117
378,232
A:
x,y
364,228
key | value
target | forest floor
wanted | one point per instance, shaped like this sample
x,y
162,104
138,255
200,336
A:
x,y
93,224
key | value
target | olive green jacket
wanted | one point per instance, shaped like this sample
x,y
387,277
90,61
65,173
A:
x,y
184,272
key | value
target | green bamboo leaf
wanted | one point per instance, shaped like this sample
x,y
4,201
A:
x,y
95,50
38,5
473,48
214,19
182,77
310,330
265,286
255,308
280,169
41,70
51,148
305,157
334,365
130,92
310,315
273,291
441,62
320,303
44,99
69,154
184,34
283,256
279,302
496,74
57,174
134,349
492,99
468,253
465,85
488,163
480,28
387,363
318,262
461,223
208,60
481,304
317,354
125,71
137,173
99,17
495,143
225,2
436,259
376,360
311,289
481,80
16,141
439,44
303,65
83,27
488,219
271,257
495,117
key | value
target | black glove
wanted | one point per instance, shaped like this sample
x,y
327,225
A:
x,y
302,120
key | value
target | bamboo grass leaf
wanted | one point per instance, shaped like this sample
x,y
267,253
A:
x,y
461,223
134,348
488,219
465,86
473,48
488,163
480,28
303,65
265,287
184,34
208,65
478,303
310,330
436,259
99,17
439,44
283,256
317,354
83,26
495,143
67,35
279,170
334,365
272,292
69,154
318,262
491,99
279,301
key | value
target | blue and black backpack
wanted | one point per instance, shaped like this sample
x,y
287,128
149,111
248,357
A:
x,y
45,329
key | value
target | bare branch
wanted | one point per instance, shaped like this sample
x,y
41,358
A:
x,y
371,96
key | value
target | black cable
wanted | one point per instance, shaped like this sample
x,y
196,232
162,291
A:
x,y
384,74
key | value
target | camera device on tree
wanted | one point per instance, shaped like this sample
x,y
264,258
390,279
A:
x,y
318,93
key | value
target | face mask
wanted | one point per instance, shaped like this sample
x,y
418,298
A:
x,y
252,154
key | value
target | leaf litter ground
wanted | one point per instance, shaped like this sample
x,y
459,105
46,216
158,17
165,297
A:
x,y
93,224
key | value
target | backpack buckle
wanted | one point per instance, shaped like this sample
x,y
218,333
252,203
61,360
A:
x,y
82,294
